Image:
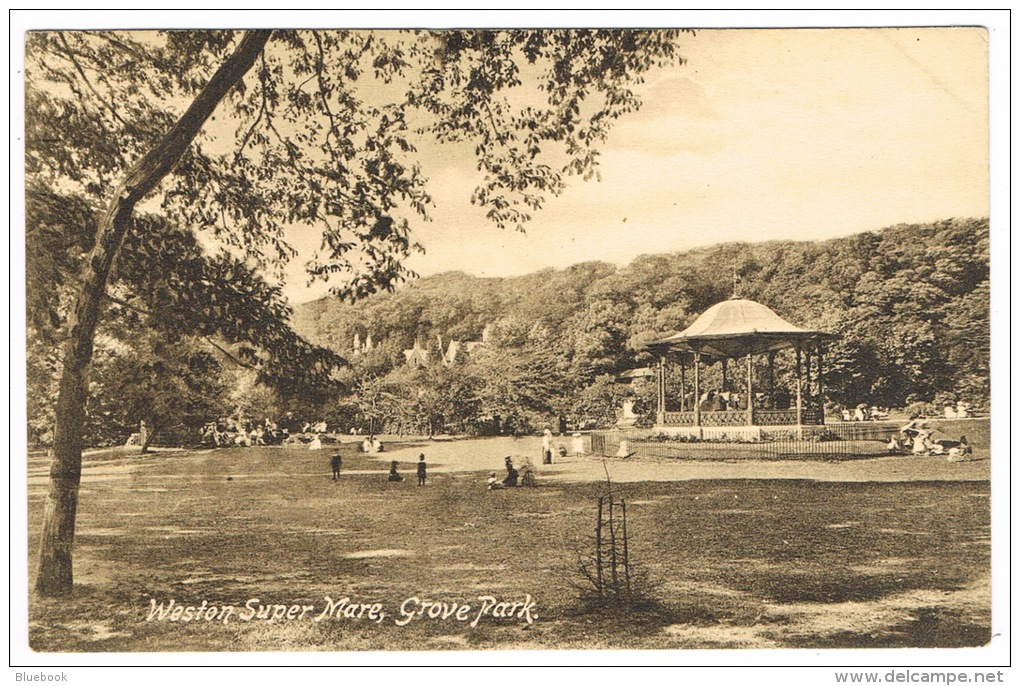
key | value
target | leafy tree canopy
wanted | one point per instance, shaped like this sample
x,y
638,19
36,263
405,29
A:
x,y
324,130
168,286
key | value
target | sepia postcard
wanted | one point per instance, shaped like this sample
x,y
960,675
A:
x,y
507,344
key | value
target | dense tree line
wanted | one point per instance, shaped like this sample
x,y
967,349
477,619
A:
x,y
910,303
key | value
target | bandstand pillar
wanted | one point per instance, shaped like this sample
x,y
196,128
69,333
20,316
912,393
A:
x,y
697,388
683,384
807,375
750,394
821,392
661,390
800,418
772,377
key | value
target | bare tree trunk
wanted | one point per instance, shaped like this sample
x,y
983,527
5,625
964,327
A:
x,y
598,550
55,570
626,551
612,553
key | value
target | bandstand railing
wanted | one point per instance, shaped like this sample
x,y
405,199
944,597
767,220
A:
x,y
739,418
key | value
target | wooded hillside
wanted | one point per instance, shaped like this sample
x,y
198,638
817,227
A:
x,y
911,303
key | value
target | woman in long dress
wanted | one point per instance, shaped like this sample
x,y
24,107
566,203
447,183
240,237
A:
x,y
527,473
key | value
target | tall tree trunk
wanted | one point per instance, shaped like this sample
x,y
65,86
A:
x,y
55,572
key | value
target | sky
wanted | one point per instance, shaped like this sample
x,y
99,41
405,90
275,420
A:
x,y
760,135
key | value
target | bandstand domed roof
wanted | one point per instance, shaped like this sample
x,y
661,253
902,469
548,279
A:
x,y
736,327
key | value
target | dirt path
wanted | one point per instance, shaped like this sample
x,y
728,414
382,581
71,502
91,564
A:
x,y
488,454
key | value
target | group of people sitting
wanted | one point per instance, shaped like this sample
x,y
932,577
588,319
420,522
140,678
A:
x,y
960,411
863,413
229,432
916,438
525,476
371,444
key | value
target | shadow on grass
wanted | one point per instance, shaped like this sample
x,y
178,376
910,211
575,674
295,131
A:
x,y
784,587
931,627
649,613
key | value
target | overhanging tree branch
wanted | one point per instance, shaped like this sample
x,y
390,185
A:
x,y
230,356
81,72
125,303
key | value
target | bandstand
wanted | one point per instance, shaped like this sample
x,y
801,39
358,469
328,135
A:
x,y
738,331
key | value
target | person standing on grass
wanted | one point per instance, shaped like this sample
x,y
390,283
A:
x,y
422,467
546,447
335,463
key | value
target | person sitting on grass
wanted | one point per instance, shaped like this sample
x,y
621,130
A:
x,y
511,473
511,477
393,472
527,473
921,445
495,484
961,451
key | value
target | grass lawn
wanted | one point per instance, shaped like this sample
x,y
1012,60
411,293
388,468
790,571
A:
x,y
749,562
